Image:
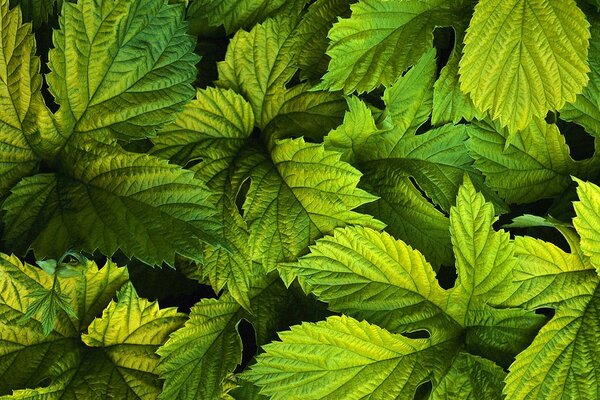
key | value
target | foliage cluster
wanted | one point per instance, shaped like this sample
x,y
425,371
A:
x,y
327,185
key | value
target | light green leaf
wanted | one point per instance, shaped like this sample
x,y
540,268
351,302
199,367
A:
x,y
470,377
214,129
197,359
587,222
523,58
20,98
535,165
107,200
342,358
381,39
120,68
370,275
27,356
304,193
484,257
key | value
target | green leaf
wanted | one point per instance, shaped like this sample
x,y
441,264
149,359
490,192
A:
x,y
120,68
535,165
370,275
197,359
304,193
107,200
27,355
409,100
562,360
587,222
523,58
20,98
381,39
342,358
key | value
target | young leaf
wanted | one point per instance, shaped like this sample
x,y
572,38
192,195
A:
x,y
381,39
20,82
523,58
304,193
108,199
120,69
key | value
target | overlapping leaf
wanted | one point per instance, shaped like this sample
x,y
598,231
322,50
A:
x,y
371,276
121,362
523,58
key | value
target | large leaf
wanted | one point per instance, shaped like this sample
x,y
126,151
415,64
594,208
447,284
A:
x,y
371,276
20,83
108,200
381,39
305,192
342,358
120,68
523,58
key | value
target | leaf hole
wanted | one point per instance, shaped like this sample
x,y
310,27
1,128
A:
x,y
444,39
249,346
547,312
581,144
240,197
446,276
423,391
418,334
